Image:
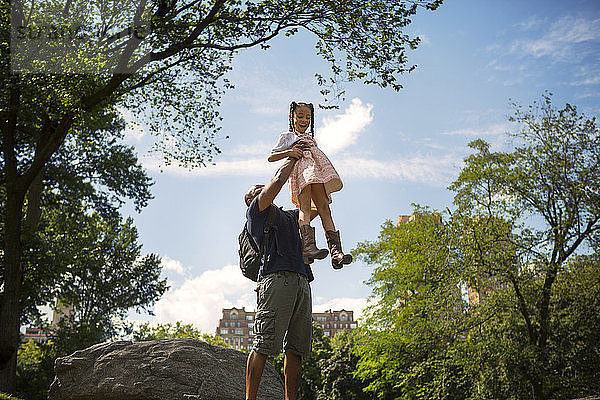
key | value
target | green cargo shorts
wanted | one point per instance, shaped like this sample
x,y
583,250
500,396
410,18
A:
x,y
283,314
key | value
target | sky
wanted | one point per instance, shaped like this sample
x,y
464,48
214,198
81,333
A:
x,y
390,148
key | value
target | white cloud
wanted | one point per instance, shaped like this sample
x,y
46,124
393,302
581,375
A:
x,y
435,170
431,169
532,22
490,130
357,305
341,131
168,264
245,167
258,148
200,300
558,41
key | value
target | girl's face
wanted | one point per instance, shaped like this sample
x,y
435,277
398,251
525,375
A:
x,y
301,118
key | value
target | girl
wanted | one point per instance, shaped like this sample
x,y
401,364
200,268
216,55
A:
x,y
312,181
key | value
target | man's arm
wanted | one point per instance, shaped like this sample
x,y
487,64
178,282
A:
x,y
272,189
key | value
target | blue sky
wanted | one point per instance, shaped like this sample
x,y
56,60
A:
x,y
390,148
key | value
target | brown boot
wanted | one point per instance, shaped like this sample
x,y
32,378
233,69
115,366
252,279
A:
x,y
338,258
310,252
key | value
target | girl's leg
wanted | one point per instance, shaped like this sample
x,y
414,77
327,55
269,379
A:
x,y
304,200
321,200
310,252
338,258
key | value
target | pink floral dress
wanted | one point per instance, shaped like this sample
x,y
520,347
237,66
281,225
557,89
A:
x,y
313,167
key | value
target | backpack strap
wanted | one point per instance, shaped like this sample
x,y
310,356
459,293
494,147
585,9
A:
x,y
270,227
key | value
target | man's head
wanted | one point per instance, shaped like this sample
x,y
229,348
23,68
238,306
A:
x,y
252,193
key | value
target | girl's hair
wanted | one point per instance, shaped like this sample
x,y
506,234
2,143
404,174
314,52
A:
x,y
293,107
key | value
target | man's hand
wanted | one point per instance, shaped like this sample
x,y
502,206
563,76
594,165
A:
x,y
296,151
271,189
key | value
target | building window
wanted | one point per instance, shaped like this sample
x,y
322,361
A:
x,y
250,317
251,333
326,333
224,331
239,332
352,326
241,340
226,323
322,319
343,317
233,316
250,325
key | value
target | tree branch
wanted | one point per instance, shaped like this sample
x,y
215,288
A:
x,y
523,309
55,139
90,101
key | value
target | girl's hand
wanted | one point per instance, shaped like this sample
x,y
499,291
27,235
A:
x,y
307,139
295,152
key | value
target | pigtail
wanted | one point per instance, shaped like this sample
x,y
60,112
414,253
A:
x,y
312,119
293,106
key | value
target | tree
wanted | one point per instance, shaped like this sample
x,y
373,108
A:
x,y
524,238
338,372
173,78
551,176
106,275
103,275
178,330
406,343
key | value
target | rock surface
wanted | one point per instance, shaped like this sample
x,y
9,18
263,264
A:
x,y
165,369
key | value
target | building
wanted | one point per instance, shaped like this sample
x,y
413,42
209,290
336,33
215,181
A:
x,y
60,312
36,334
333,322
236,327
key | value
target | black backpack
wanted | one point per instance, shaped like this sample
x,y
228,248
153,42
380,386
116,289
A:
x,y
251,256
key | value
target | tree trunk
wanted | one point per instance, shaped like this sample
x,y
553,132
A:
x,y
13,275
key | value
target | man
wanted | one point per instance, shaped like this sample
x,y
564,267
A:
x,y
284,311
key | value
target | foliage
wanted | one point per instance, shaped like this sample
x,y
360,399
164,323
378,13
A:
x,y
104,273
338,372
35,369
416,317
546,189
523,244
178,330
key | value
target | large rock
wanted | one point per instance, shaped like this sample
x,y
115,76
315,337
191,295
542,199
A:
x,y
166,369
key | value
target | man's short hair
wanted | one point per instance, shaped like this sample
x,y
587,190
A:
x,y
251,193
